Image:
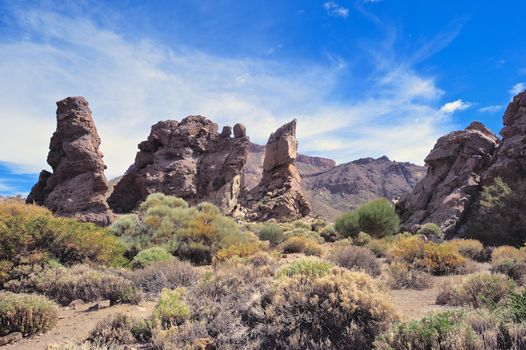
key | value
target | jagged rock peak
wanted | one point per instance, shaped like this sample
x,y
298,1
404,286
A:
x,y
510,159
77,187
279,194
455,167
190,160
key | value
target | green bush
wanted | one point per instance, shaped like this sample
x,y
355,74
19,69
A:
x,y
516,305
272,233
377,218
432,231
149,256
308,268
362,239
500,217
31,235
80,282
26,313
428,333
171,309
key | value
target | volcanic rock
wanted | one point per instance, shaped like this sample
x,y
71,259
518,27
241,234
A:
x,y
190,160
279,194
77,187
510,159
453,180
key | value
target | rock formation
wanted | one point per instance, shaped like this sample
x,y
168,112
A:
x,y
279,194
453,180
77,187
510,159
190,160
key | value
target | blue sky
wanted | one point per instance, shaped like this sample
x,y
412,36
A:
x,y
363,78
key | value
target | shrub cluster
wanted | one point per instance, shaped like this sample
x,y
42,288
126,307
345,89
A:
x,y
26,313
377,218
402,276
432,231
80,282
297,244
194,234
31,235
149,256
272,233
509,261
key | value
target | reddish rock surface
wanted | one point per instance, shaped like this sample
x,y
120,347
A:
x,y
279,194
190,160
77,187
453,180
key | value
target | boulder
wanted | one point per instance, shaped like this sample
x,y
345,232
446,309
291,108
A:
x,y
77,186
453,180
279,194
190,160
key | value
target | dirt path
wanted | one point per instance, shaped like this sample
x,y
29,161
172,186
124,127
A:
x,y
75,325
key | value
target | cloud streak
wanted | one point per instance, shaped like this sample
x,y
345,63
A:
x,y
131,84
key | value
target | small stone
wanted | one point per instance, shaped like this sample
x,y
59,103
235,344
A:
x,y
10,338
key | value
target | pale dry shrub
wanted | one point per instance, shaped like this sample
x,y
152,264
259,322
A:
x,y
115,329
402,276
357,258
469,248
169,274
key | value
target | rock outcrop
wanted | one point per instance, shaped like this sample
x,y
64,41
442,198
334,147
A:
x,y
510,159
190,160
279,194
453,180
77,187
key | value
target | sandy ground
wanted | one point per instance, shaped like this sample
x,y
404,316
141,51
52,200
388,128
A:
x,y
75,325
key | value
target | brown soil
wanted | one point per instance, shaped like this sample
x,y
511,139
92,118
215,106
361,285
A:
x,y
74,326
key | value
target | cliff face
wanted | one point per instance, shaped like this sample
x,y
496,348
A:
x,y
279,194
455,168
190,160
77,187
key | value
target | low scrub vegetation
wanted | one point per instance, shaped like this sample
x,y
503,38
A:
x,y
31,235
432,232
26,313
357,258
307,268
402,276
149,256
509,261
272,233
117,329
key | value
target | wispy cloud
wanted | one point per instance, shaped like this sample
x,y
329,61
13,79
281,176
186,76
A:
x,y
131,84
335,9
517,88
454,106
490,109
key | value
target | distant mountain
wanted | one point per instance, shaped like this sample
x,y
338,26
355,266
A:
x,y
333,189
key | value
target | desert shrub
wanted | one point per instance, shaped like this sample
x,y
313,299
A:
x,y
478,290
26,313
86,346
171,308
32,235
118,328
294,245
378,218
272,233
307,267
432,231
379,247
438,259
509,261
337,311
401,276
469,248
500,217
313,249
516,305
304,233
348,224
302,224
160,199
149,256
318,225
169,274
328,233
261,259
80,282
428,333
242,250
359,258
362,239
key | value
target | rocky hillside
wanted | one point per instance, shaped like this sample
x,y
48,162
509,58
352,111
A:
x,y
332,189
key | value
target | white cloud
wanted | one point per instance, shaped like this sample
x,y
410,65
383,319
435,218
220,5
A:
x,y
452,107
335,9
490,109
517,88
130,85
